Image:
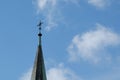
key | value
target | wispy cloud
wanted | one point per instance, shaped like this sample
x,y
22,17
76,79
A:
x,y
72,1
111,75
99,3
90,46
48,9
44,4
53,15
26,75
51,10
61,73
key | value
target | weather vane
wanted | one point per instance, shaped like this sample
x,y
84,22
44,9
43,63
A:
x,y
39,25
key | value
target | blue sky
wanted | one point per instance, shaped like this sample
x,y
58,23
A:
x,y
81,38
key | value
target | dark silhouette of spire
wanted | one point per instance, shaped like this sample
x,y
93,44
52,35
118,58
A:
x,y
38,72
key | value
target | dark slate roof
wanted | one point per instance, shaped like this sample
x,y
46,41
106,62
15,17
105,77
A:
x,y
38,72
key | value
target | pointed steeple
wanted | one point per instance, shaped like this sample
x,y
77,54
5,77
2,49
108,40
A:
x,y
38,72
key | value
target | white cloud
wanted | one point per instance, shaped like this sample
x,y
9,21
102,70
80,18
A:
x,y
61,73
51,20
55,73
99,3
111,75
42,4
72,1
90,46
27,75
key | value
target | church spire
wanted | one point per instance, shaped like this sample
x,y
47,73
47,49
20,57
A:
x,y
38,72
